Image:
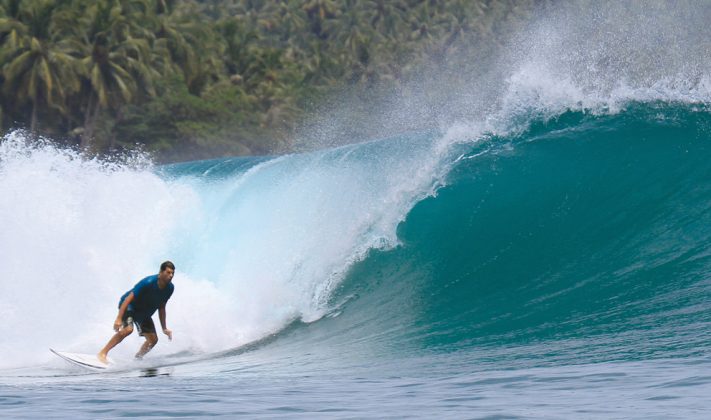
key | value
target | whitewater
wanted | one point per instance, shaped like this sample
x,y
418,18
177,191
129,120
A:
x,y
545,254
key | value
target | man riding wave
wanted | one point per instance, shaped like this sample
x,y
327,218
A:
x,y
136,308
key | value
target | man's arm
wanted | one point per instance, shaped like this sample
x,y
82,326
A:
x,y
161,316
122,310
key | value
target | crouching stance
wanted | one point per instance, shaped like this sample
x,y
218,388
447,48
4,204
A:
x,y
136,308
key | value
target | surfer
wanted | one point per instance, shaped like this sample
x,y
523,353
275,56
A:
x,y
138,305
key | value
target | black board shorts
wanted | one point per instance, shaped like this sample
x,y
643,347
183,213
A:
x,y
144,326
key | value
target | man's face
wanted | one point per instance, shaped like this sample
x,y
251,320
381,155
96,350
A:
x,y
166,275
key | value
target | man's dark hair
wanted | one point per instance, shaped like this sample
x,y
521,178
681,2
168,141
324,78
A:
x,y
167,264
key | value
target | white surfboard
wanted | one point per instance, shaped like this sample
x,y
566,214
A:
x,y
87,361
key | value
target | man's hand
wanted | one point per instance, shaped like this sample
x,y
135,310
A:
x,y
117,324
169,333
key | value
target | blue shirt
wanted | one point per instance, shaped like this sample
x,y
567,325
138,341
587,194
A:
x,y
147,297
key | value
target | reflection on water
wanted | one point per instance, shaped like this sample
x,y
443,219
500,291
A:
x,y
153,372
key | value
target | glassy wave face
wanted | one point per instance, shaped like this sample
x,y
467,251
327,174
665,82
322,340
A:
x,y
582,238
576,237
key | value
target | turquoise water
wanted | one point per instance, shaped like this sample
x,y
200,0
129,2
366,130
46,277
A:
x,y
560,270
541,252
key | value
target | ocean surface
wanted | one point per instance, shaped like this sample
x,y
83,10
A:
x,y
548,259
560,271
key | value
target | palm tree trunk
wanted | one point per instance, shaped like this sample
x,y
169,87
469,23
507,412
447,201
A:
x,y
33,121
112,139
89,120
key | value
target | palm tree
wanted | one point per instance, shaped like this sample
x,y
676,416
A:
x,y
36,69
386,16
318,11
115,59
291,21
241,41
195,49
174,45
349,29
10,8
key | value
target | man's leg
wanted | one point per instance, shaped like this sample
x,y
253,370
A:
x,y
117,338
151,340
148,330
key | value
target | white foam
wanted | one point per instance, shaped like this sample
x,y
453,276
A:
x,y
598,57
253,251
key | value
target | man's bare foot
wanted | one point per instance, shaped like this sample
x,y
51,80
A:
x,y
102,358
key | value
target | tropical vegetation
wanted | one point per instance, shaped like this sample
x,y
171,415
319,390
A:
x,y
197,79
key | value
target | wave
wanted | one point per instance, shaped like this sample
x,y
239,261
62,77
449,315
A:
x,y
258,242
563,201
589,233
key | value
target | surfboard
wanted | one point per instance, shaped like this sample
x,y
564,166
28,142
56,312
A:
x,y
87,361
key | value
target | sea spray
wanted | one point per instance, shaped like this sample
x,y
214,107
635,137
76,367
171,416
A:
x,y
256,247
76,233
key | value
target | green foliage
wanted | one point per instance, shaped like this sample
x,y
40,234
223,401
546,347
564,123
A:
x,y
177,123
192,79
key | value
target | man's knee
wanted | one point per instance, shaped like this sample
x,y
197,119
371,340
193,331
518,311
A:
x,y
152,339
126,331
